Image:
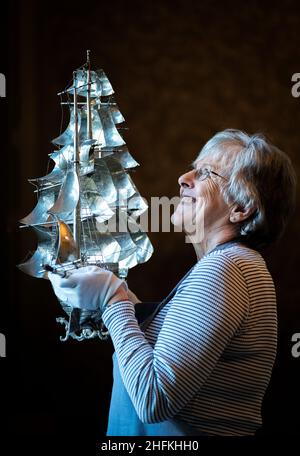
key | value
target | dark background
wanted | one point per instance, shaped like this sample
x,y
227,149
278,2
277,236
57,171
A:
x,y
181,70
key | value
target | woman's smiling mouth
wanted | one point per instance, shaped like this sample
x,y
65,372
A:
x,y
187,199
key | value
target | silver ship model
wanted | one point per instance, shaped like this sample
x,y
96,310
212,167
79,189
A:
x,y
88,208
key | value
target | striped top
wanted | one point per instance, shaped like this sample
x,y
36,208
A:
x,y
206,358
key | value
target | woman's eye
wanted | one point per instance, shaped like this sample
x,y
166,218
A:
x,y
202,173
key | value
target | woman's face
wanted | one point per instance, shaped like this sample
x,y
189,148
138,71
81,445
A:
x,y
202,208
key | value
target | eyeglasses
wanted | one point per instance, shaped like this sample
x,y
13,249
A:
x,y
205,172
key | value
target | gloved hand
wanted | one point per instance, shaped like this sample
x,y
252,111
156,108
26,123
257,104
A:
x,y
89,288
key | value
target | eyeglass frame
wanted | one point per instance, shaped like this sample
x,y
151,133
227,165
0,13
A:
x,y
209,172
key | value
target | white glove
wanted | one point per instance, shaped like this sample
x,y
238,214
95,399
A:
x,y
89,288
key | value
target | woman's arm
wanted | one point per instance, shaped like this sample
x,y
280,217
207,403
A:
x,y
203,316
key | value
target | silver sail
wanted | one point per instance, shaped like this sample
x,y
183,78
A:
x,y
121,154
100,85
68,196
67,137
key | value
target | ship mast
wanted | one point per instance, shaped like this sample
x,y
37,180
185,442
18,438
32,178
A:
x,y
76,164
77,211
88,98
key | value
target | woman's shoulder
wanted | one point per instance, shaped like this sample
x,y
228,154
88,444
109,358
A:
x,y
234,256
237,250
217,272
236,268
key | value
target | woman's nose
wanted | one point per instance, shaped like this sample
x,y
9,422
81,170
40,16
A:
x,y
186,179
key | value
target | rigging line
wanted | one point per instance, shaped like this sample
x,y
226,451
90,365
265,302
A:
x,y
62,160
88,215
90,231
97,234
47,168
86,84
55,238
62,116
67,89
83,238
87,210
117,226
70,106
38,190
68,85
92,223
81,67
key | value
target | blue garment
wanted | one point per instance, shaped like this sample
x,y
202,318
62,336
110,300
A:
x,y
123,419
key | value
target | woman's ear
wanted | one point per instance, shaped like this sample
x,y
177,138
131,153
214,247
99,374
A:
x,y
239,214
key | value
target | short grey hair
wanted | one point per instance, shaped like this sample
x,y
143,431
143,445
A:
x,y
260,176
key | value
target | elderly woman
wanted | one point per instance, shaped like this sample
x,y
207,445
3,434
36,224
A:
x,y
201,362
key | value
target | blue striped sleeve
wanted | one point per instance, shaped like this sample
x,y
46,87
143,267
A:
x,y
207,310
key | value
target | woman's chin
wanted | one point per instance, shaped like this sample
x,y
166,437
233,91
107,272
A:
x,y
177,220
183,214
180,222
184,222
173,219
